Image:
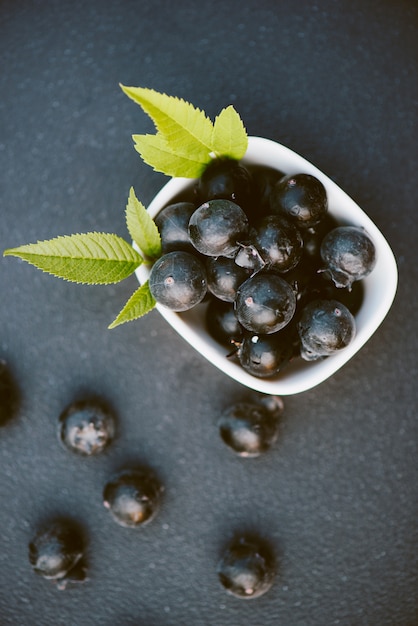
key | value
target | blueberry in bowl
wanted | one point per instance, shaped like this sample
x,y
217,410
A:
x,y
324,327
374,276
249,201
178,280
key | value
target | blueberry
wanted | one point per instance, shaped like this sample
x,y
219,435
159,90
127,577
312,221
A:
x,y
224,277
313,236
264,179
247,567
172,223
225,179
86,427
301,277
349,255
222,323
324,327
249,257
302,198
265,356
273,404
278,242
217,227
133,497
178,280
265,303
249,428
322,287
9,394
56,552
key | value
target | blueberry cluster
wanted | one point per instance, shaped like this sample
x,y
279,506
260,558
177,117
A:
x,y
280,277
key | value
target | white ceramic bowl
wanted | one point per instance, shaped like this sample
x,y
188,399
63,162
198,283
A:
x,y
379,286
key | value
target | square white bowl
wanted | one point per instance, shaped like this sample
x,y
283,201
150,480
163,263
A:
x,y
379,287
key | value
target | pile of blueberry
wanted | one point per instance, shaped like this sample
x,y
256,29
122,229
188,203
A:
x,y
57,550
281,278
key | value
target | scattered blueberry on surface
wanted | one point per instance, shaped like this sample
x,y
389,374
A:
x,y
273,404
86,427
247,568
249,428
9,394
133,497
56,552
178,280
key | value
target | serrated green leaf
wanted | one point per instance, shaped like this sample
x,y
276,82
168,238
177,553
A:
x,y
187,129
142,227
229,135
162,157
140,303
89,258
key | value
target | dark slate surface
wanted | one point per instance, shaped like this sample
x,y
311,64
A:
x,y
337,496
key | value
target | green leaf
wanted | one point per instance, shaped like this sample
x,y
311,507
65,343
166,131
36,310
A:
x,y
140,303
229,135
162,157
90,258
142,227
187,130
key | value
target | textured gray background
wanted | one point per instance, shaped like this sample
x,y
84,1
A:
x,y
337,496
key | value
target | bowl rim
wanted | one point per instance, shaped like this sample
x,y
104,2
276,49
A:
x,y
379,287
